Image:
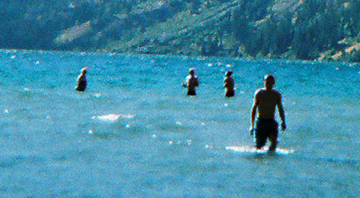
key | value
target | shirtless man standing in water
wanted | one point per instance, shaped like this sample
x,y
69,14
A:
x,y
229,84
265,101
81,80
191,83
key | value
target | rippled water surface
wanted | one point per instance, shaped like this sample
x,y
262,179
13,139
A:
x,y
134,132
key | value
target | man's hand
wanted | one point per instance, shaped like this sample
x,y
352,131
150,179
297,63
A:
x,y
283,126
251,131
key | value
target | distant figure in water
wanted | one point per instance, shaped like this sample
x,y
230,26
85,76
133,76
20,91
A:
x,y
81,80
229,84
191,83
265,101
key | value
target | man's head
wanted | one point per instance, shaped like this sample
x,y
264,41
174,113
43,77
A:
x,y
192,71
228,73
84,70
269,81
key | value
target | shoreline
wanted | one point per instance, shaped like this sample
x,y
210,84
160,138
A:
x,y
104,52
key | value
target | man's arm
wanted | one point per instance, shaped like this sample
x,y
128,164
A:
x,y
185,84
281,113
253,114
196,82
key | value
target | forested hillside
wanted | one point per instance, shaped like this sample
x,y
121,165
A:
x,y
278,29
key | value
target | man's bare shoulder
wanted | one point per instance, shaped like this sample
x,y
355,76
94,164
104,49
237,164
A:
x,y
259,91
276,92
191,77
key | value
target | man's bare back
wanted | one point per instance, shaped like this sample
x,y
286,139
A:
x,y
191,83
81,80
229,84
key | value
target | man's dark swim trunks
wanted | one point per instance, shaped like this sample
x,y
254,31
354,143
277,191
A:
x,y
263,129
191,93
230,93
81,86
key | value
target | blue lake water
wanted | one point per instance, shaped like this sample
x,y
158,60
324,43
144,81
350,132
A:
x,y
135,133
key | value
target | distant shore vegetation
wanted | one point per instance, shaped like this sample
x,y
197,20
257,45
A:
x,y
274,29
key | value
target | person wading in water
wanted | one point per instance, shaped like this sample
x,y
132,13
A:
x,y
265,101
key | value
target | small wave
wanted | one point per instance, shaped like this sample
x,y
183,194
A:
x,y
116,126
248,149
112,117
127,131
11,161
